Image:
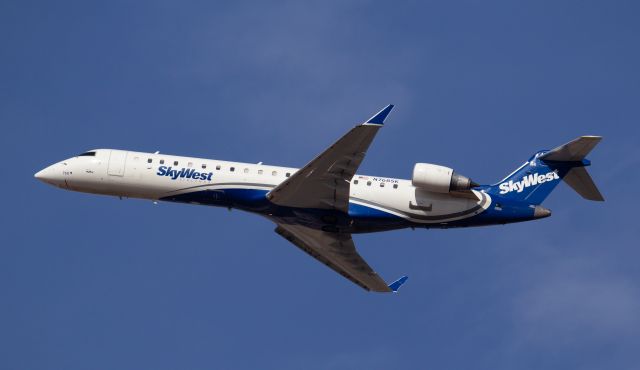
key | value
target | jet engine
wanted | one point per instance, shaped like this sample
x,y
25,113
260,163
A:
x,y
439,179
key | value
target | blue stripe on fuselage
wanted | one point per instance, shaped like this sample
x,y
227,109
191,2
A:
x,y
361,218
254,200
365,212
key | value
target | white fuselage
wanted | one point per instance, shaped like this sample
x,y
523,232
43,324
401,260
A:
x,y
168,177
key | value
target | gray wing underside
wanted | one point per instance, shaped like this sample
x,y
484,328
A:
x,y
324,182
337,251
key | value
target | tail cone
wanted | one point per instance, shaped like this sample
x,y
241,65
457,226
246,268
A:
x,y
541,212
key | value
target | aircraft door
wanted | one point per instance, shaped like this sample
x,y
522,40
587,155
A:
x,y
117,162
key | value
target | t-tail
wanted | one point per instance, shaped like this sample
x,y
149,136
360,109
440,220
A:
x,y
535,179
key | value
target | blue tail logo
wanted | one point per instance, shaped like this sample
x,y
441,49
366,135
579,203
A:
x,y
527,181
530,183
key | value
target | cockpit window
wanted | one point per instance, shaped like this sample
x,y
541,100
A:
x,y
87,154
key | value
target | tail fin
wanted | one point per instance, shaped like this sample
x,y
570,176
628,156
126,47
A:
x,y
535,179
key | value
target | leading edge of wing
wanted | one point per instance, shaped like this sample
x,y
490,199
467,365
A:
x,y
323,183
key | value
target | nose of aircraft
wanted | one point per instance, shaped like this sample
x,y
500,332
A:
x,y
40,175
49,175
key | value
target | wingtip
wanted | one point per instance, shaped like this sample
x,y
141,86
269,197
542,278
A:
x,y
378,118
398,283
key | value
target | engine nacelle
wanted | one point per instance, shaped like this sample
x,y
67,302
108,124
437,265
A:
x,y
439,179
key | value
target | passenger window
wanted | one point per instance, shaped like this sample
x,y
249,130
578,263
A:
x,y
218,168
368,183
259,172
246,170
162,161
395,186
355,182
204,166
274,173
232,169
175,163
382,184
149,160
288,174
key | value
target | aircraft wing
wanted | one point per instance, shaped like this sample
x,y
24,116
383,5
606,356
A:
x,y
337,251
324,182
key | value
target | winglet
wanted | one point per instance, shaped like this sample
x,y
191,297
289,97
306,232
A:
x,y
379,118
397,284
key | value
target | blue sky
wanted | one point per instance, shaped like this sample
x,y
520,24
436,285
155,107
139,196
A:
x,y
91,282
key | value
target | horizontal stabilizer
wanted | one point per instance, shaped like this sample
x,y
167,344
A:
x,y
580,181
398,283
575,150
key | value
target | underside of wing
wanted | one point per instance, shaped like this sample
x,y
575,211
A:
x,y
337,251
324,182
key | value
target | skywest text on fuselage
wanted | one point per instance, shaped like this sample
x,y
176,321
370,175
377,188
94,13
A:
x,y
183,173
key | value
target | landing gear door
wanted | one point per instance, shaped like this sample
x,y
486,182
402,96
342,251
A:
x,y
117,161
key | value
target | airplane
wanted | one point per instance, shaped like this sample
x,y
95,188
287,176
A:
x,y
319,206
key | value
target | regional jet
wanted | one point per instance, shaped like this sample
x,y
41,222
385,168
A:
x,y
320,206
